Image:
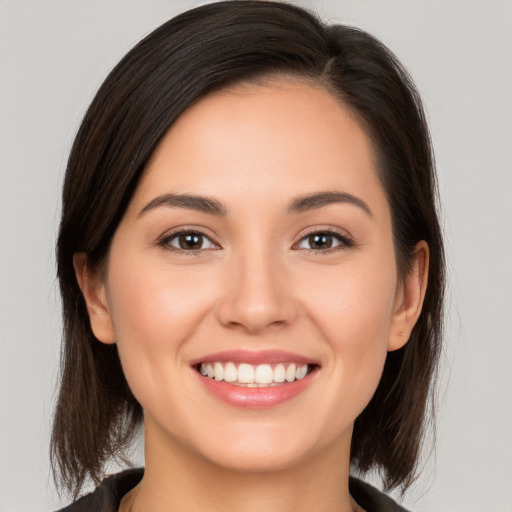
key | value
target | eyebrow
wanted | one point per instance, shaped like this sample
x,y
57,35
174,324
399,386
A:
x,y
214,207
321,199
191,202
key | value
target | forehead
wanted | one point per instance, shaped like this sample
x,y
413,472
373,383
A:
x,y
285,137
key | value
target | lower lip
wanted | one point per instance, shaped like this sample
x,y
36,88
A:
x,y
255,398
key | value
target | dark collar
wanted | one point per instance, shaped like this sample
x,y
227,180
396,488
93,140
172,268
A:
x,y
107,496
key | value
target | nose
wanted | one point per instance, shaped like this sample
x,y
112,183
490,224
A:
x,y
258,295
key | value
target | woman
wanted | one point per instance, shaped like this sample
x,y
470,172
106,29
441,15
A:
x,y
251,266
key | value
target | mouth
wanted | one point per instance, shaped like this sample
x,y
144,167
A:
x,y
257,380
250,375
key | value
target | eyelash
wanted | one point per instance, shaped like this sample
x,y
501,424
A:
x,y
345,242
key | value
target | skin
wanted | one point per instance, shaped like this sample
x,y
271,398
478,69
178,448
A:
x,y
256,284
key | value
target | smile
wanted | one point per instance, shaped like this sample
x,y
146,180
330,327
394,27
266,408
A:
x,y
255,379
248,375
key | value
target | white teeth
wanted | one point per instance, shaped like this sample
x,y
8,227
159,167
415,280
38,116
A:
x,y
279,373
301,372
245,374
263,374
290,373
219,371
254,376
230,373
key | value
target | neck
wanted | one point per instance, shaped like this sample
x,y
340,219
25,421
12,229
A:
x,y
177,479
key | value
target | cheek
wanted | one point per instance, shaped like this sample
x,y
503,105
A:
x,y
353,303
352,309
154,312
148,294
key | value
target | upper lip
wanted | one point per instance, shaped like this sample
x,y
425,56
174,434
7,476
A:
x,y
254,357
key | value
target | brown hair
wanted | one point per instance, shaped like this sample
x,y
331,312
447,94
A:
x,y
199,51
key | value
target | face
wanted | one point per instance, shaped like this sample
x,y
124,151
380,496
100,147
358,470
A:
x,y
251,286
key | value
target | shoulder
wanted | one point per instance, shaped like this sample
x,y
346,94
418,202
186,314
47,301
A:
x,y
371,499
107,496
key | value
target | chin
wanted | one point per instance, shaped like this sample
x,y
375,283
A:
x,y
265,448
257,459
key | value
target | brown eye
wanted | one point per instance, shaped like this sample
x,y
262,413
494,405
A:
x,y
188,241
320,241
324,241
191,242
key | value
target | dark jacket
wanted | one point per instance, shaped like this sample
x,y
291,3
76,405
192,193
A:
x,y
108,495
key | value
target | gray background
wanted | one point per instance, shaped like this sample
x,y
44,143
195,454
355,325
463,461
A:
x,y
55,53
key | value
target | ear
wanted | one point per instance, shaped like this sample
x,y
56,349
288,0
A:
x,y
93,289
410,298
